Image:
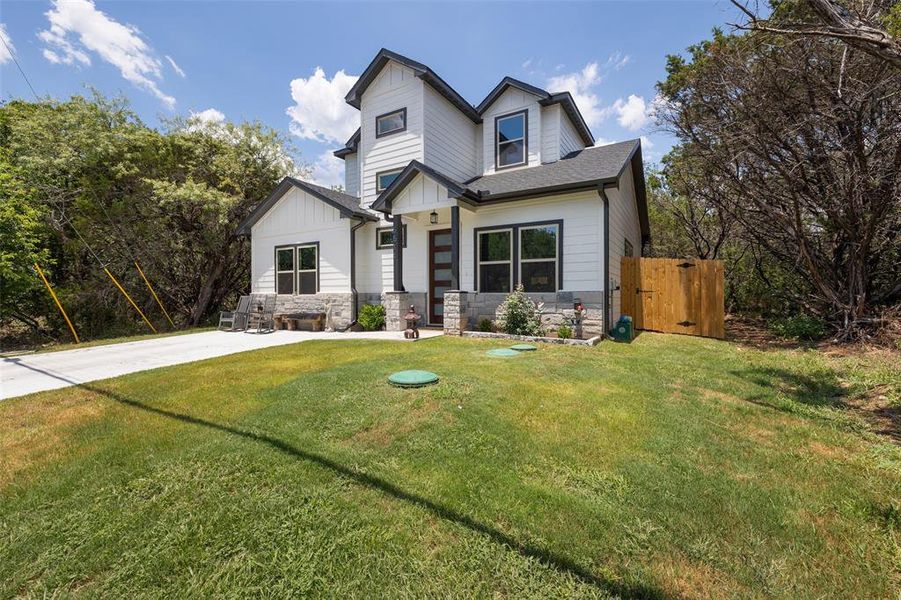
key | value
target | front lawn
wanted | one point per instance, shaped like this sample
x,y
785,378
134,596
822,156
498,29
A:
x,y
674,466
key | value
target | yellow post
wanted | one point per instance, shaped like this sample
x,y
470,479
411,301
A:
x,y
155,297
58,304
124,293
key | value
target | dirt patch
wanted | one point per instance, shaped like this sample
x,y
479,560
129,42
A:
x,y
883,415
683,578
721,396
825,451
386,431
750,332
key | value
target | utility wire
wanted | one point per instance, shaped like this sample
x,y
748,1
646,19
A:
x,y
24,76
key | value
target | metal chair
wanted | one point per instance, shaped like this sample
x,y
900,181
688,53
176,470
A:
x,y
236,320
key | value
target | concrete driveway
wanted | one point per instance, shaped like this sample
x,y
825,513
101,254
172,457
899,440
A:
x,y
30,373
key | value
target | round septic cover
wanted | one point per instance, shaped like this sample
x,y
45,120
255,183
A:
x,y
502,352
523,347
412,378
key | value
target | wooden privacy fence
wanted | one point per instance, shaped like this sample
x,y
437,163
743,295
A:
x,y
674,295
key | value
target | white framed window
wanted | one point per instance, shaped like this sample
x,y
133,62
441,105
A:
x,y
538,257
384,237
495,260
383,179
511,139
297,269
392,122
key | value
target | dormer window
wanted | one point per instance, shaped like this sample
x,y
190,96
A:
x,y
511,143
392,122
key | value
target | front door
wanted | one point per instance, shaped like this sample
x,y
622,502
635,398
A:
x,y
439,273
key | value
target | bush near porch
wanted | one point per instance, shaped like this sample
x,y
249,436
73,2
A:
x,y
673,466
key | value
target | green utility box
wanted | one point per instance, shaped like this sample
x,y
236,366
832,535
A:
x,y
622,330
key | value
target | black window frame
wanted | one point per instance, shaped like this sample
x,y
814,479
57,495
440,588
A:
x,y
628,249
379,174
296,267
525,151
379,230
478,256
402,111
515,262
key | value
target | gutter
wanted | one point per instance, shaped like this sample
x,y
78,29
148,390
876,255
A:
x,y
603,194
355,309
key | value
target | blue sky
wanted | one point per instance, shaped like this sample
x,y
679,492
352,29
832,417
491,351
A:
x,y
288,64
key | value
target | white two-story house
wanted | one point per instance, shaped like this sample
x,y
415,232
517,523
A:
x,y
442,196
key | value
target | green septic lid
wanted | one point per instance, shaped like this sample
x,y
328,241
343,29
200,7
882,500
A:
x,y
502,353
412,378
523,347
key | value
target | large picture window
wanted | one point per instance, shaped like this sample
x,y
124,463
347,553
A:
x,y
392,122
526,253
495,255
511,139
297,269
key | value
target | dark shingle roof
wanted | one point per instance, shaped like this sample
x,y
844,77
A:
x,y
596,165
347,205
414,168
350,146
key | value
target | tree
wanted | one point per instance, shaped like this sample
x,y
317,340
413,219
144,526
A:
x,y
803,142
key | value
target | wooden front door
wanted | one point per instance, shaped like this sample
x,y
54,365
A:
x,y
439,273
674,295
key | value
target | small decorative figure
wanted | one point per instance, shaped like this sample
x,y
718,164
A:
x,y
412,319
578,309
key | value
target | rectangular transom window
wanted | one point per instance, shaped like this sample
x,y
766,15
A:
x,y
538,258
495,258
511,139
384,179
392,122
297,269
384,237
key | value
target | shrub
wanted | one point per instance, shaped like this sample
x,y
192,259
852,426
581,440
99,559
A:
x,y
485,325
564,332
802,327
372,317
521,315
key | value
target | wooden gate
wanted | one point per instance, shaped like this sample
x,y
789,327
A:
x,y
674,295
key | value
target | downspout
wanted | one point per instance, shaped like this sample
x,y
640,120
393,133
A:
x,y
355,309
603,194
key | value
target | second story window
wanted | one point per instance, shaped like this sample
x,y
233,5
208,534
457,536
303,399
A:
x,y
392,122
511,139
385,178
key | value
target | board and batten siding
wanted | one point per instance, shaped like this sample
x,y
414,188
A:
x,y
299,218
624,225
450,138
570,140
550,133
582,217
512,100
395,87
352,175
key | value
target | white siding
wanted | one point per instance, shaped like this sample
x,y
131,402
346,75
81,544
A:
x,y
510,101
421,194
623,225
299,218
375,273
395,87
450,138
550,133
352,175
570,140
582,215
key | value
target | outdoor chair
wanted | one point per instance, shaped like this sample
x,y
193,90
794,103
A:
x,y
262,313
235,320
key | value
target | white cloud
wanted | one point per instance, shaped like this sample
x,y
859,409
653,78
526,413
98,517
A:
x,y
6,54
328,170
646,143
93,31
319,112
527,63
580,85
175,67
208,116
633,113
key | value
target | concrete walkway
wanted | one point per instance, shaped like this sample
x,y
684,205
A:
x,y
30,373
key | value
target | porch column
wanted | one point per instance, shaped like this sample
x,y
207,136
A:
x,y
398,254
455,247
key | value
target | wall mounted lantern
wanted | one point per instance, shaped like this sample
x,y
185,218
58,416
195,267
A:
x,y
433,218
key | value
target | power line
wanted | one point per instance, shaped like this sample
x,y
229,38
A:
x,y
24,76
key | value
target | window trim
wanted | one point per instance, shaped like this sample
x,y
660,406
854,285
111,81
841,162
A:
x,y
525,152
555,260
293,270
297,270
402,111
378,230
478,257
515,256
628,248
379,174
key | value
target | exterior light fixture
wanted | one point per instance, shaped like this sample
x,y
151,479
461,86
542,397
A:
x,y
433,217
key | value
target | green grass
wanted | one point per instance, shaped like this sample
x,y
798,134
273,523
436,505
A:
x,y
670,467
